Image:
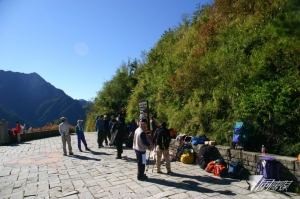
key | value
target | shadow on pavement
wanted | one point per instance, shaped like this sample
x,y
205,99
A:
x,y
85,157
127,159
222,181
189,185
98,153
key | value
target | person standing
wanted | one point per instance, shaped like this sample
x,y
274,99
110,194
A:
x,y
119,127
153,125
106,130
79,130
140,144
100,130
65,136
162,140
18,131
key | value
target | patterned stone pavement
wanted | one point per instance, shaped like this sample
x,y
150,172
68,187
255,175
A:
x,y
37,169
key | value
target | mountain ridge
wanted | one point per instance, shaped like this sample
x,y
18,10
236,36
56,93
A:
x,y
30,99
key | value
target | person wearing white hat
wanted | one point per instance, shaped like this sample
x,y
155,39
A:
x,y
80,135
65,136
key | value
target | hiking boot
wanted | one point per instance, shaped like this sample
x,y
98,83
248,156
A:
x,y
87,149
118,157
65,154
71,153
169,172
80,150
159,172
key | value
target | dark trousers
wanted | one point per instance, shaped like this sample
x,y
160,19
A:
x,y
141,166
106,135
119,145
100,137
80,137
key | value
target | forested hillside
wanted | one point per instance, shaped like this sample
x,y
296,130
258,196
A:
x,y
231,61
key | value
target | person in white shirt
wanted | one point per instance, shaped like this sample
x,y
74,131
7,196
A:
x,y
65,136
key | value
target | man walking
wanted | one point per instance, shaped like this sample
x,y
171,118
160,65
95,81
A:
x,y
100,130
18,131
140,144
65,136
79,130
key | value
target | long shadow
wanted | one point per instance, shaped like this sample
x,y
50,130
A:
x,y
222,181
85,158
98,153
190,185
128,159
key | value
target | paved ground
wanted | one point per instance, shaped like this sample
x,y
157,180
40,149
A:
x,y
37,169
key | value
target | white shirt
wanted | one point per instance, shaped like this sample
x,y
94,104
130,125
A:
x,y
63,128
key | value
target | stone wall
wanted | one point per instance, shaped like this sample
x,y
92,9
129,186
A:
x,y
39,135
289,166
25,136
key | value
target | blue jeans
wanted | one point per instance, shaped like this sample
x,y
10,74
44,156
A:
x,y
80,137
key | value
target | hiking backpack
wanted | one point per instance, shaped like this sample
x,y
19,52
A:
x,y
241,133
206,154
235,170
186,144
162,138
210,167
219,170
269,167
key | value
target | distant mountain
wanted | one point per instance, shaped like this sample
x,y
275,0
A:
x,y
83,102
29,99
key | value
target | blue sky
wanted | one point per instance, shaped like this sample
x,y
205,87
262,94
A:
x,y
76,45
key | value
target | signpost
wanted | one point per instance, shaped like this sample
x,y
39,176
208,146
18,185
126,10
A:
x,y
144,111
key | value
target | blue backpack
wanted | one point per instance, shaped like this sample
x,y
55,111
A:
x,y
241,132
235,170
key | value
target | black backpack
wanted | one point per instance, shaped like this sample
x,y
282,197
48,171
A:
x,y
235,170
206,154
162,138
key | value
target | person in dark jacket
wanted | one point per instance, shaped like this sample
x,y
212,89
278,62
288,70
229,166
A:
x,y
162,140
106,130
100,130
119,127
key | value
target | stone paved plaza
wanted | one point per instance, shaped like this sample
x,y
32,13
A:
x,y
37,169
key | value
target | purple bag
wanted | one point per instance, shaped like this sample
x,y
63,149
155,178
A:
x,y
237,138
269,170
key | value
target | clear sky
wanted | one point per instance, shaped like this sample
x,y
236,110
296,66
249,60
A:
x,y
76,45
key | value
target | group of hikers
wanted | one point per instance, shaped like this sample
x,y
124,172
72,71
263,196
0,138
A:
x,y
112,133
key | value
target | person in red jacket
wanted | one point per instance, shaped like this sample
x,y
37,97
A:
x,y
18,131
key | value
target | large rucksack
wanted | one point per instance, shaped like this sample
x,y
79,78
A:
x,y
186,144
162,138
269,167
206,154
241,133
235,170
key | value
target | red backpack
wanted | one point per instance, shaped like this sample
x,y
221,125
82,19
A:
x,y
219,170
210,167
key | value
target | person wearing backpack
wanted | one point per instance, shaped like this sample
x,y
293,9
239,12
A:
x,y
162,140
